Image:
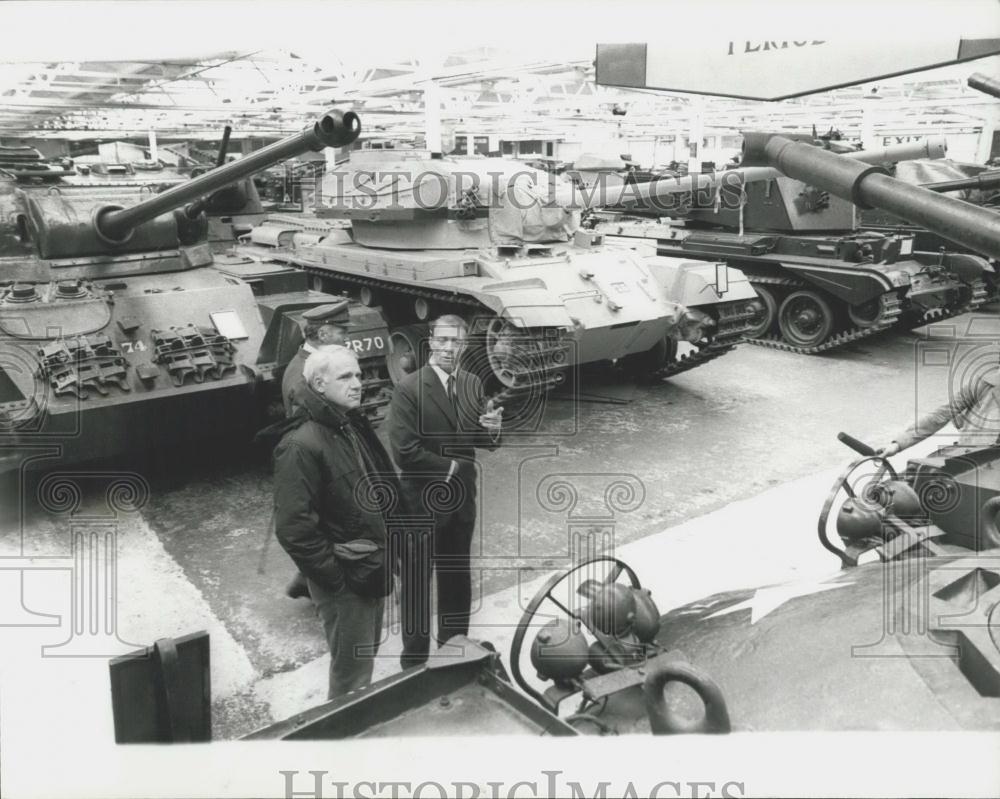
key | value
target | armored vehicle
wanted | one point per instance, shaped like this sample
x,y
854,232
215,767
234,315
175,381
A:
x,y
16,158
491,240
822,282
120,331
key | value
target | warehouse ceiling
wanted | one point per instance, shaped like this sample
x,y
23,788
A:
x,y
269,92
520,69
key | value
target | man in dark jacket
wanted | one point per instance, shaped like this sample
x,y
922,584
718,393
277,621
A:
x,y
438,416
330,471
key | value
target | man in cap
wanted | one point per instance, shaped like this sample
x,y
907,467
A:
x,y
324,324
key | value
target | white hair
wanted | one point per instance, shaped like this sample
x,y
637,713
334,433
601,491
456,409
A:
x,y
325,360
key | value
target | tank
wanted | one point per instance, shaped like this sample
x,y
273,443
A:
x,y
491,240
26,161
120,330
822,282
290,187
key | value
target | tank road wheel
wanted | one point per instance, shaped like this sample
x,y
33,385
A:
x,y
408,349
509,352
805,319
865,314
422,309
367,297
765,313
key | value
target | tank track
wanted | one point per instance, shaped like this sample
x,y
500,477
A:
x,y
546,371
376,390
891,305
731,327
979,296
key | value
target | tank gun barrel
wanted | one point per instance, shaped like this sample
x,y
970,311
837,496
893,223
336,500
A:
x,y
333,129
982,181
635,194
929,147
984,84
220,159
869,186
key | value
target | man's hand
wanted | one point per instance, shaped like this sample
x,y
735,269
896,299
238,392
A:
x,y
492,419
888,451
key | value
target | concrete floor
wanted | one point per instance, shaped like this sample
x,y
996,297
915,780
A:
x,y
726,464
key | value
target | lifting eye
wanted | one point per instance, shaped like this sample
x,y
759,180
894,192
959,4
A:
x,y
23,234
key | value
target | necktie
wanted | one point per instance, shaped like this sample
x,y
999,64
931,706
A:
x,y
452,398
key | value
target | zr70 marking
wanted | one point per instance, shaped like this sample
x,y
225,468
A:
x,y
367,344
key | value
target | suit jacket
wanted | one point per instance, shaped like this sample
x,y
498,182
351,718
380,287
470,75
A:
x,y
426,434
292,382
975,409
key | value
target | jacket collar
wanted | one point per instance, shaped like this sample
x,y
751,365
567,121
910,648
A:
x,y
319,409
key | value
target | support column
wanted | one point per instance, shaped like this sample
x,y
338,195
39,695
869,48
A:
x,y
867,127
696,131
991,116
432,116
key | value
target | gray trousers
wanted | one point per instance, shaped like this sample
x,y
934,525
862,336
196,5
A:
x,y
353,627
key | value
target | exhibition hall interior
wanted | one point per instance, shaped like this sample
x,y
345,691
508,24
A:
x,y
630,383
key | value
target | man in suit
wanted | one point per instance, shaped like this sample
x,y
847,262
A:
x,y
437,418
325,325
